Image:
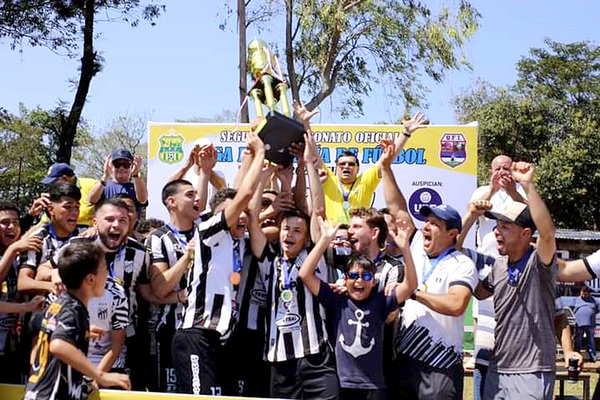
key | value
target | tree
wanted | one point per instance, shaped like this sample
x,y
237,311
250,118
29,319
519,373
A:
x,y
26,148
122,132
62,25
550,117
349,45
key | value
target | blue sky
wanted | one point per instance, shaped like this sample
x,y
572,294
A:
x,y
186,67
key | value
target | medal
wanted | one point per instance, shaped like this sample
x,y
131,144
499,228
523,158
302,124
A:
x,y
286,295
235,278
422,287
346,205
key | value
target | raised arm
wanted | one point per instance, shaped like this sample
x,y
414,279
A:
x,y
250,181
394,198
258,240
307,271
189,163
96,191
317,198
419,120
139,185
475,209
207,159
522,172
402,238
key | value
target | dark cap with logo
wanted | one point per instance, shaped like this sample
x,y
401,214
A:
x,y
445,213
514,212
122,154
56,171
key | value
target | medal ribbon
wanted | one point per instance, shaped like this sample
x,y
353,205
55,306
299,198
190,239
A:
x,y
514,270
286,276
434,262
237,259
346,195
180,238
111,265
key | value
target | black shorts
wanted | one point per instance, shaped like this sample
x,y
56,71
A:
x,y
311,377
247,372
167,378
195,354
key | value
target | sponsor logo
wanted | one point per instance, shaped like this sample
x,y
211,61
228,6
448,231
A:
x,y
259,297
171,148
103,313
289,319
423,197
453,149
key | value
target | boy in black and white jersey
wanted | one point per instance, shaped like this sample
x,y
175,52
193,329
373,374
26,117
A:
x,y
58,360
212,284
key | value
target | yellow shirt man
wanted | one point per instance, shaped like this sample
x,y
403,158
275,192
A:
x,y
358,191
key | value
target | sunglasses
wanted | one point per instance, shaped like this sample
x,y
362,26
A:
x,y
366,276
122,164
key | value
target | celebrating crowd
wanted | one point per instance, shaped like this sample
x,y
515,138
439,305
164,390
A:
x,y
285,285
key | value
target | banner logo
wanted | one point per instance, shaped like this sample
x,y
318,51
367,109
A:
x,y
453,149
423,197
171,148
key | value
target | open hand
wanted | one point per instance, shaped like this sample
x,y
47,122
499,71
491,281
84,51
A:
x,y
419,120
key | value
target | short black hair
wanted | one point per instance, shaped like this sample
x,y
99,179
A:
x,y
221,196
362,261
298,214
124,196
173,187
151,223
347,153
64,189
9,206
113,201
78,259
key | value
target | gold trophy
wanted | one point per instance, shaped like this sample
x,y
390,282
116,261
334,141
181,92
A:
x,y
277,130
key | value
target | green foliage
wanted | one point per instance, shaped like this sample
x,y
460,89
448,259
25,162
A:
x,y
122,132
350,45
26,153
550,117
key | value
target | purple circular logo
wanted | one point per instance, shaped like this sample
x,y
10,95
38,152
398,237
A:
x,y
423,197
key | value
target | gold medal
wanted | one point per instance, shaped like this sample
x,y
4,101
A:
x,y
235,278
422,287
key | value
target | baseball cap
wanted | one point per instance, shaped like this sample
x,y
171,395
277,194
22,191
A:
x,y
121,154
445,213
514,212
56,171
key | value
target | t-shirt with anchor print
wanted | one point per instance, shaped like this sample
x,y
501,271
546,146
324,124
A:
x,y
358,335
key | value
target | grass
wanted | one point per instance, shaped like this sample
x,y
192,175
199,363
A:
x,y
571,389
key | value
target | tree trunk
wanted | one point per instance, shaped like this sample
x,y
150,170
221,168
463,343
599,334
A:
x,y
88,70
289,51
243,84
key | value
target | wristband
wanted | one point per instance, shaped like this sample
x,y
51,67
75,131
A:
x,y
135,176
405,133
103,183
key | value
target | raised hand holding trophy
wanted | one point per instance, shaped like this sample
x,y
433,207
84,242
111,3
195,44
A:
x,y
277,130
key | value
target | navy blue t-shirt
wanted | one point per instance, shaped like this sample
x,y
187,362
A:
x,y
113,189
359,359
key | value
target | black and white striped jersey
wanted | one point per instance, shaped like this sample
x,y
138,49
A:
x,y
252,294
296,326
110,312
50,244
211,294
168,245
128,266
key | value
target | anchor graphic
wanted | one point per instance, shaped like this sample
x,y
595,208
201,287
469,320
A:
x,y
356,349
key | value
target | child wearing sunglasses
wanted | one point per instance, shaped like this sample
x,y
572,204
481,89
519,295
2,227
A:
x,y
359,315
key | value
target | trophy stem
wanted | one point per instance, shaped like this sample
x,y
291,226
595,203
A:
x,y
267,83
255,94
282,88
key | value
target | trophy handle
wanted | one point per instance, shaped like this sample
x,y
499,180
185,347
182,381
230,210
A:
x,y
255,94
282,88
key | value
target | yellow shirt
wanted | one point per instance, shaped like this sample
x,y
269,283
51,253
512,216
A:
x,y
361,194
86,209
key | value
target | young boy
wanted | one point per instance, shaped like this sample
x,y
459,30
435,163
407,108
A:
x,y
58,360
359,317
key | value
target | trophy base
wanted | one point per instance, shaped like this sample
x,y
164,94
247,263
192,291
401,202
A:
x,y
278,132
